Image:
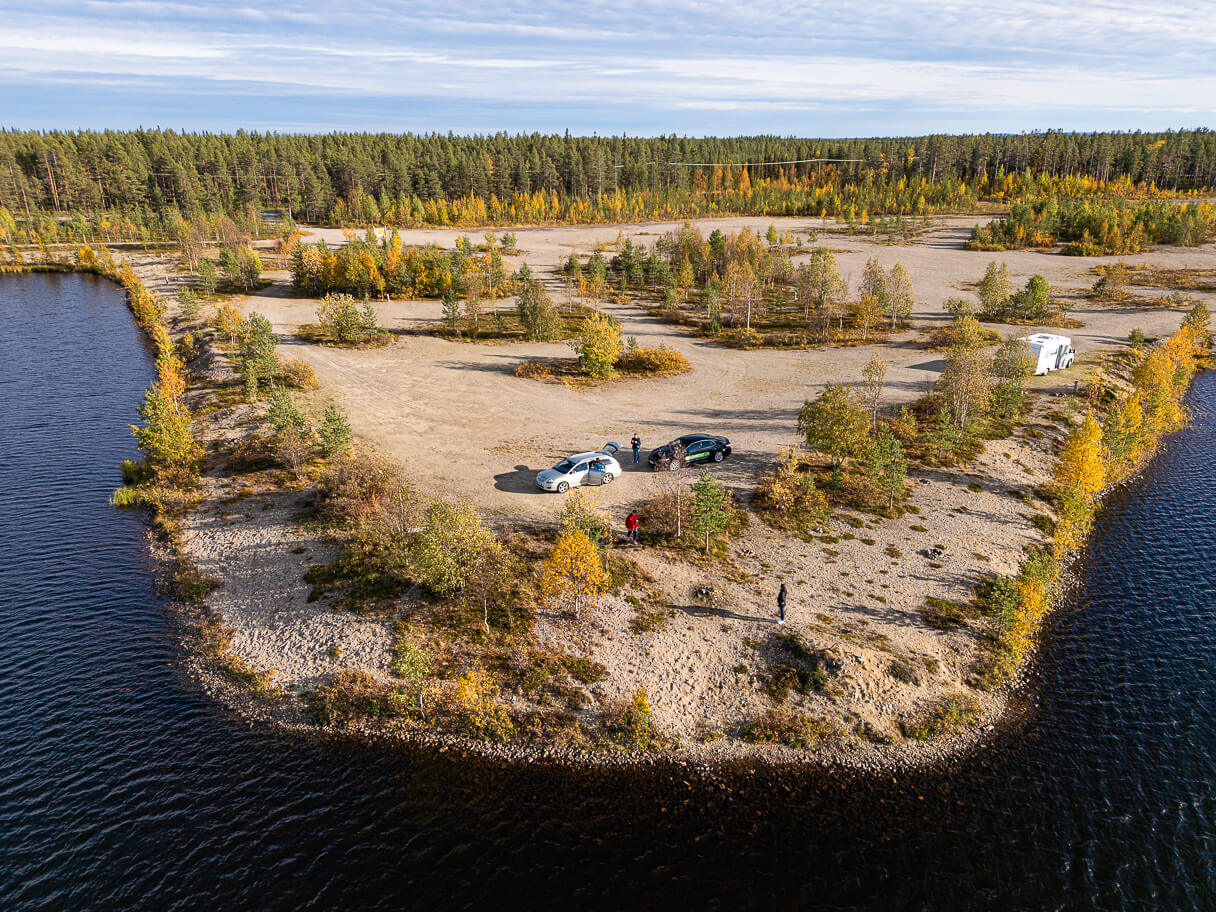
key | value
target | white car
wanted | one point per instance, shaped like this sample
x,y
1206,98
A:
x,y
581,469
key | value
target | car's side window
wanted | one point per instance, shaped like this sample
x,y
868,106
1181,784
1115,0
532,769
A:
x,y
581,467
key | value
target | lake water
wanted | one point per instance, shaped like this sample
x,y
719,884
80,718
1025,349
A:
x,y
121,786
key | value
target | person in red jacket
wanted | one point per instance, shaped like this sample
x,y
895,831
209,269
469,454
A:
x,y
631,526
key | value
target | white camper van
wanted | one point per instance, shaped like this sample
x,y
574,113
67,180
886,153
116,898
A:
x,y
1050,352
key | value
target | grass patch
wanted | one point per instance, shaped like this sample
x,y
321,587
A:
x,y
648,620
942,718
353,693
791,729
781,679
941,614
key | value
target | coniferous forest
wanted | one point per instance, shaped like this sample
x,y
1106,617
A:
x,y
125,185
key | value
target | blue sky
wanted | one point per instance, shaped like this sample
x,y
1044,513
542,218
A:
x,y
766,66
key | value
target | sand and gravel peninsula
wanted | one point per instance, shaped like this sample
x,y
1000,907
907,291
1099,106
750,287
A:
x,y
891,651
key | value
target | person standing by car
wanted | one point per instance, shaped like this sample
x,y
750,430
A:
x,y
596,471
632,521
636,443
781,604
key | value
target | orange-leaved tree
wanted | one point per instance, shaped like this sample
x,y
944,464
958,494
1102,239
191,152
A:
x,y
1080,474
573,574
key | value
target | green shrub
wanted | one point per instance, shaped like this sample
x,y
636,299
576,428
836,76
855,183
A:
x,y
334,431
781,679
1000,597
284,413
584,671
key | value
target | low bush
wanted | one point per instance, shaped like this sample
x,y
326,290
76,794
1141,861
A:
x,y
630,725
346,323
742,338
475,702
789,497
648,620
585,671
355,484
781,679
374,564
534,370
999,597
659,514
654,362
253,454
297,374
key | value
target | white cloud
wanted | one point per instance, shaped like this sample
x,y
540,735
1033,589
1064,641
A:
x,y
774,57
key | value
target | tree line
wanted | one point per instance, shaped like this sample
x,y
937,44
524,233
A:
x,y
410,179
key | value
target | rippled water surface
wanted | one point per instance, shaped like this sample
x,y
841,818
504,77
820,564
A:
x,y
123,787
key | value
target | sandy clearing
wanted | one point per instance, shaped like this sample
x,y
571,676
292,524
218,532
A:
x,y
463,425
458,419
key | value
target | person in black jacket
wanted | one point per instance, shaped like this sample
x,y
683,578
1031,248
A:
x,y
781,604
636,443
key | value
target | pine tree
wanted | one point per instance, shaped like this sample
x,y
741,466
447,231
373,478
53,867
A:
x,y
334,431
710,506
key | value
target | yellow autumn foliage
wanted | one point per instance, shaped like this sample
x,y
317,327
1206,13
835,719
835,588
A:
x,y
1081,469
573,574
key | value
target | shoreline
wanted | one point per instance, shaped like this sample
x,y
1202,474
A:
x,y
1005,709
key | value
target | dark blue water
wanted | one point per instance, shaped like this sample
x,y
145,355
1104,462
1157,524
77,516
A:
x,y
123,787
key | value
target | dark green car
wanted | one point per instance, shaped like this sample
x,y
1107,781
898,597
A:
x,y
693,448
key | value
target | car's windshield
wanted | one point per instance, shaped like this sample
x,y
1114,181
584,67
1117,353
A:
x,y
564,466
